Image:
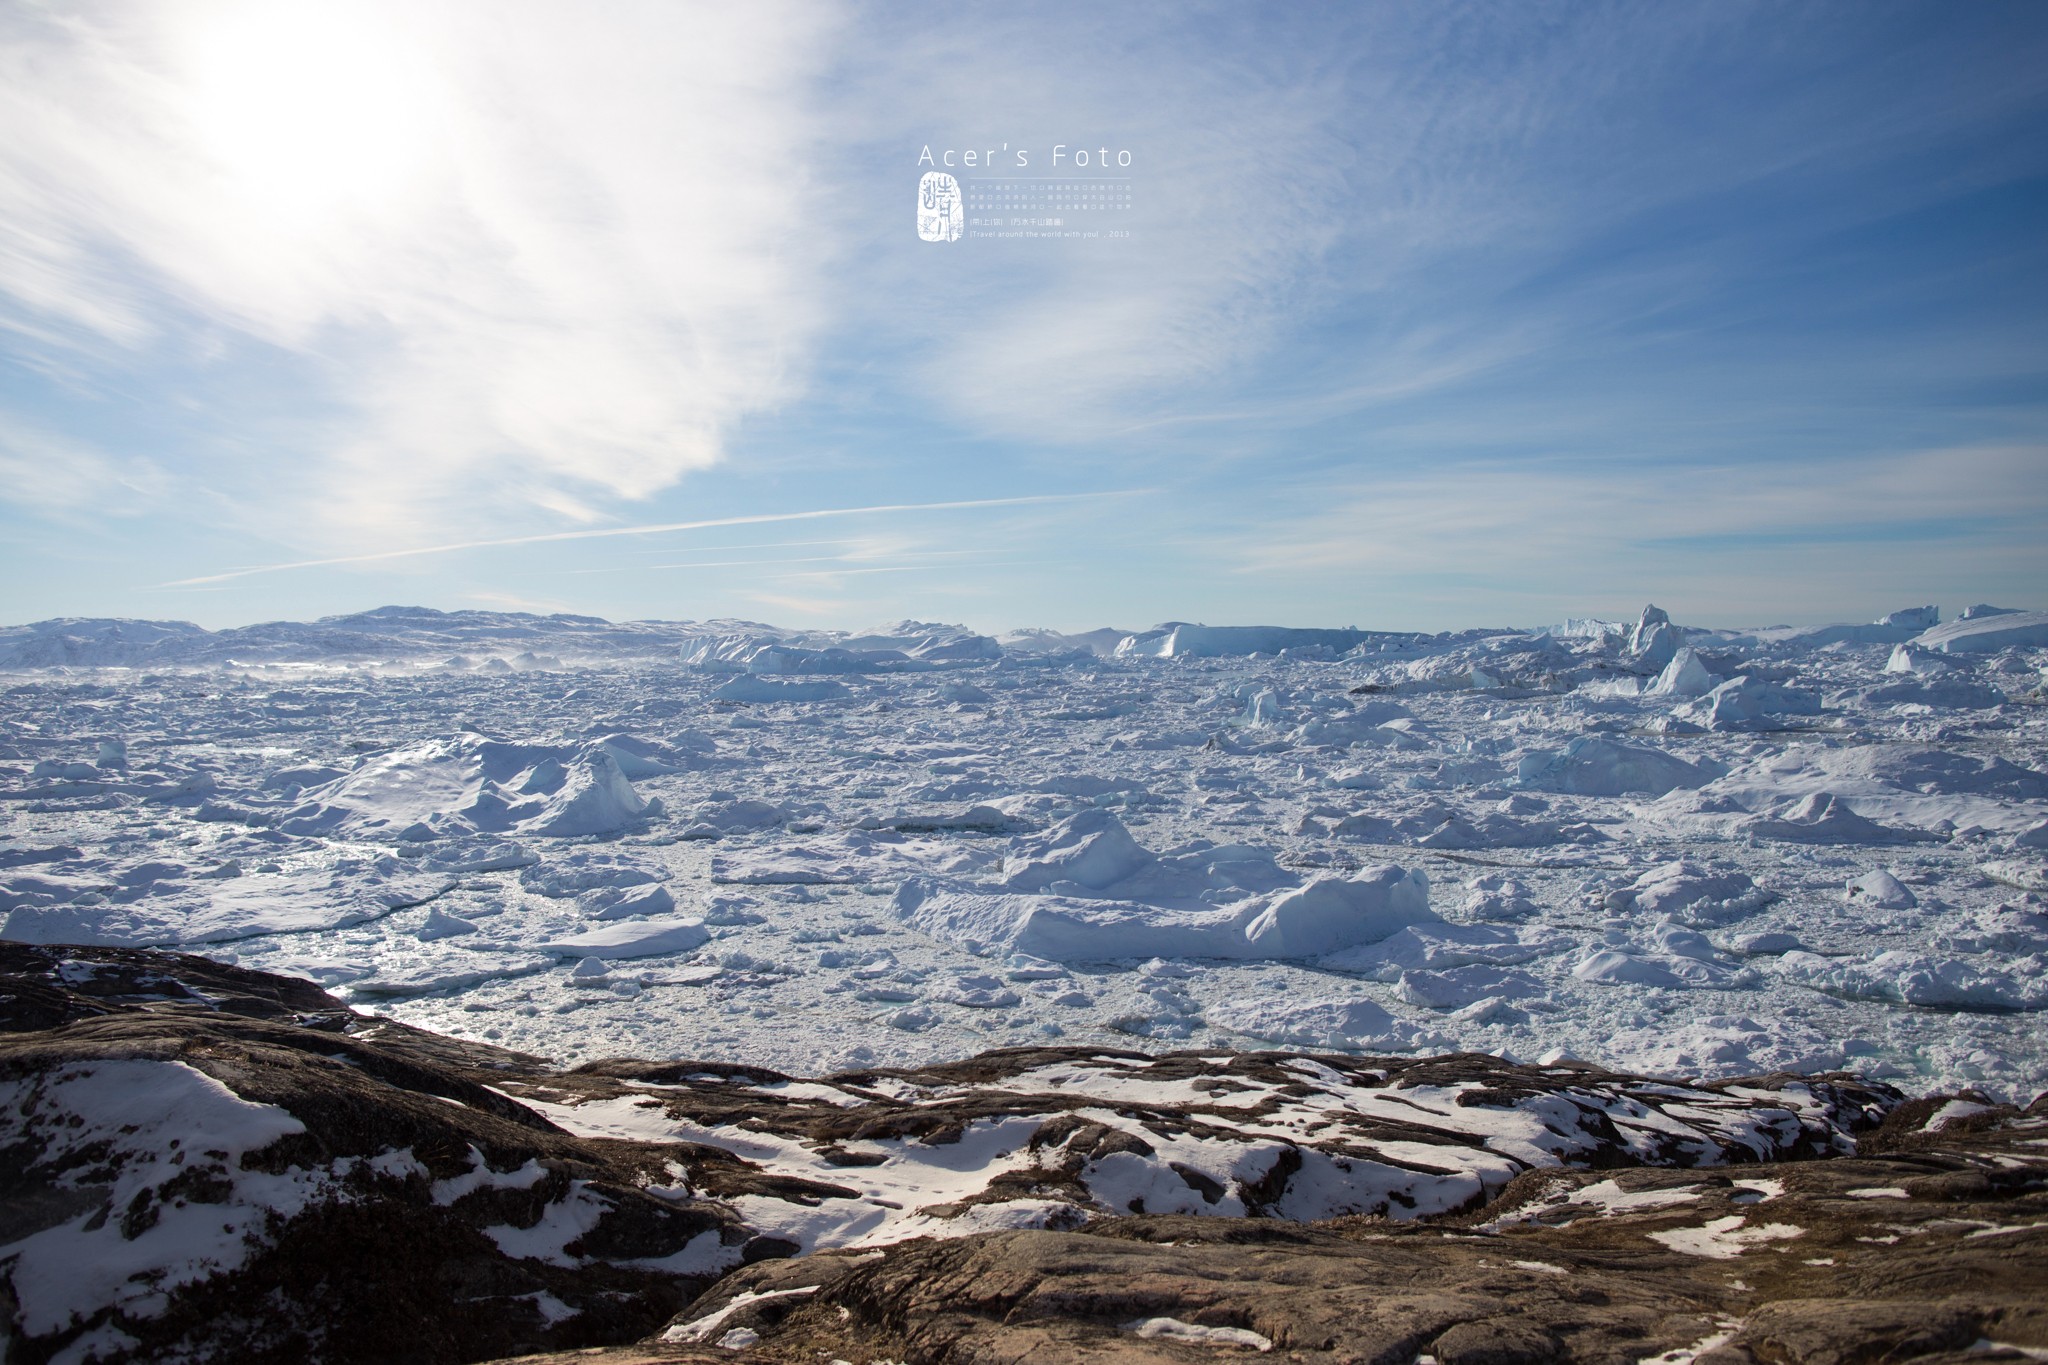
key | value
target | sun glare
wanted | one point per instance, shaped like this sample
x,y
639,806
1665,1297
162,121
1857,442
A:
x,y
309,110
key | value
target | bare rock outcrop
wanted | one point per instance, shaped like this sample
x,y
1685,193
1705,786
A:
x,y
204,1163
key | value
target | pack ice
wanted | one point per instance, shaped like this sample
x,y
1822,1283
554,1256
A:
x,y
1645,844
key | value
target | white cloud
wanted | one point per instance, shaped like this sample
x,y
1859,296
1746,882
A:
x,y
543,255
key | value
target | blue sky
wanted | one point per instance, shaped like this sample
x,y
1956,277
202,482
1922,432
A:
x,y
1429,315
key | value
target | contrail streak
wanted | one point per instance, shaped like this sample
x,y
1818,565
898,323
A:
x,y
649,530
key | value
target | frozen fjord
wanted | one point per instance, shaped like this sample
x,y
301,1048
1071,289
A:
x,y
1654,847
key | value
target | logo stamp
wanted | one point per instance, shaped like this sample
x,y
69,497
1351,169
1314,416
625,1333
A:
x,y
941,216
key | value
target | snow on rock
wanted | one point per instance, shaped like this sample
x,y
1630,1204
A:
x,y
139,1136
219,1181
1047,1137
1194,1334
75,641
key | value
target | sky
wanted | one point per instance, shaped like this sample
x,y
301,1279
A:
x,y
1395,315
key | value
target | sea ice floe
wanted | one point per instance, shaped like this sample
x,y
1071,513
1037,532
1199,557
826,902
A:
x,y
631,938
331,804
1088,892
583,871
1926,979
749,688
351,892
1593,766
1690,893
713,819
1339,1022
1458,987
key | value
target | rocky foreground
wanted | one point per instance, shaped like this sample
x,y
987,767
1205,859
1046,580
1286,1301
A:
x,y
199,1162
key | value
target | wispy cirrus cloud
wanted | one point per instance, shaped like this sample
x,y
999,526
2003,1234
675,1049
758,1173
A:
x,y
1343,210
532,258
654,528
59,475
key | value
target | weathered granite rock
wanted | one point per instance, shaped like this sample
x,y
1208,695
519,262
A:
x,y
1936,1253
203,1163
206,1163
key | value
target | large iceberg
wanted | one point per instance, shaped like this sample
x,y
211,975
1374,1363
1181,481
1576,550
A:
x,y
1987,634
470,785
